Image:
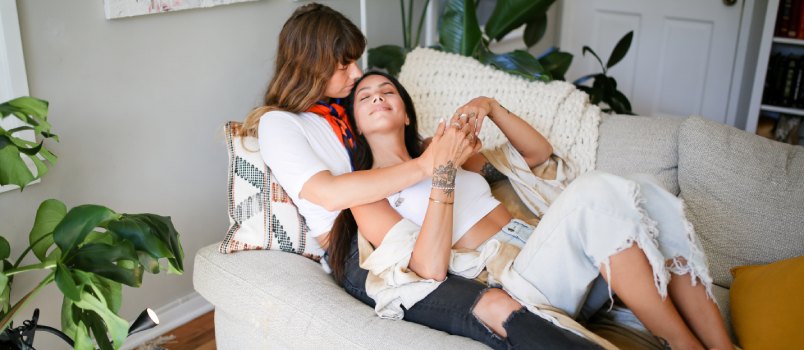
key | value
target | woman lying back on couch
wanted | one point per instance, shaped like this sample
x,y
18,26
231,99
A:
x,y
629,230
307,141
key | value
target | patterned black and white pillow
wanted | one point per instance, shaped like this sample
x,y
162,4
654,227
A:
x,y
261,214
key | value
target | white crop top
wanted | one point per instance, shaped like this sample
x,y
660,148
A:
x,y
473,201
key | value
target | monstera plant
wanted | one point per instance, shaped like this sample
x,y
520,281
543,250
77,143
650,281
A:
x,y
89,251
460,32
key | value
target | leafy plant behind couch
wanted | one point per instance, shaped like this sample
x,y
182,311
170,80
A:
x,y
90,251
604,88
391,57
460,32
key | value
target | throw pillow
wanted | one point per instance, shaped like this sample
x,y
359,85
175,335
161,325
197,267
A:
x,y
766,305
261,214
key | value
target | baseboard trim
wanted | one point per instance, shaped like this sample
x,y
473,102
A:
x,y
171,316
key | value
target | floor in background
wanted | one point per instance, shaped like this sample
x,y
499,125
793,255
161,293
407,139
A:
x,y
198,334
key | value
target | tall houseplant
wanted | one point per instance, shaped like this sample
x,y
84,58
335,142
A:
x,y
391,57
89,251
460,32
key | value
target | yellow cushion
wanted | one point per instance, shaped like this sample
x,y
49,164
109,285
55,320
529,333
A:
x,y
767,305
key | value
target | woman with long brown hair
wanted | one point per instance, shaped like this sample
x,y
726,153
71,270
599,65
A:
x,y
306,139
627,230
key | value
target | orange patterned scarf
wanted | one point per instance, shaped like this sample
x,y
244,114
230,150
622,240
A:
x,y
335,115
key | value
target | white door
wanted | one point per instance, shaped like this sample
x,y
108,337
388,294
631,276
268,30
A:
x,y
681,57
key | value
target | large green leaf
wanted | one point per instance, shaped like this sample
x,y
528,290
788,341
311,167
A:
x,y
5,289
535,29
117,326
5,251
111,291
66,283
556,62
459,31
98,328
619,103
620,50
511,14
589,49
5,296
41,167
163,227
518,62
72,324
26,105
13,169
5,248
79,222
30,111
388,57
106,260
149,263
138,229
48,216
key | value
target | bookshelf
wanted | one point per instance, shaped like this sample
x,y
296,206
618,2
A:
x,y
768,97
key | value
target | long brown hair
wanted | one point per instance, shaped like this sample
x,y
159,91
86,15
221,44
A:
x,y
345,228
313,41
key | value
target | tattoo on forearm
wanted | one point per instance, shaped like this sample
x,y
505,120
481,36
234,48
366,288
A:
x,y
444,178
664,343
491,174
506,109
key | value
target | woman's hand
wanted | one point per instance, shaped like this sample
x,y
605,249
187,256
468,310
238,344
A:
x,y
480,108
454,142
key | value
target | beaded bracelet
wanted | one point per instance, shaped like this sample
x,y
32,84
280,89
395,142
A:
x,y
440,202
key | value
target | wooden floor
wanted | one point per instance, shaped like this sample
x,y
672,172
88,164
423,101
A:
x,y
198,334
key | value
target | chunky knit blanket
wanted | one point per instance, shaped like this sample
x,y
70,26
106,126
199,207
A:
x,y
441,82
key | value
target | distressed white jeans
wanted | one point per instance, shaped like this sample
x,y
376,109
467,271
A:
x,y
599,215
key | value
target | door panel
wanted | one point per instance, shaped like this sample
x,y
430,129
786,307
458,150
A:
x,y
681,82
681,58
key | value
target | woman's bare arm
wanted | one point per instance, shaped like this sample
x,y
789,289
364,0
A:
x,y
365,186
430,258
431,253
530,143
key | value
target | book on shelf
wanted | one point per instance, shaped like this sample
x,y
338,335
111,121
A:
x,y
784,82
790,19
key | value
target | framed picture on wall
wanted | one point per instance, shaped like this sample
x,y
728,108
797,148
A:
x,y
129,8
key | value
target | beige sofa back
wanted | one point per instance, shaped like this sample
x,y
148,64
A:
x,y
744,193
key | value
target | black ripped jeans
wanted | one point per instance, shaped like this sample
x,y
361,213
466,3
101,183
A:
x,y
449,309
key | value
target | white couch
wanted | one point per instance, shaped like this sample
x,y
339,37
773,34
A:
x,y
744,195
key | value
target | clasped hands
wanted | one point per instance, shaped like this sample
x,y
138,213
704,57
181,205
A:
x,y
455,140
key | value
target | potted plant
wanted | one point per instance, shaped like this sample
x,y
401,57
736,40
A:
x,y
460,33
89,251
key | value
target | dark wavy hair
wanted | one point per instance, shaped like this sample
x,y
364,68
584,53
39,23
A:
x,y
345,228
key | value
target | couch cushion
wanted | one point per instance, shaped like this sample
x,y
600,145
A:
x,y
288,294
744,194
634,144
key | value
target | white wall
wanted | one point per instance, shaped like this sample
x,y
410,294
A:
x,y
139,104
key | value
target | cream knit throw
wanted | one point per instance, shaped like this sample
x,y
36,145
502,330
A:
x,y
441,82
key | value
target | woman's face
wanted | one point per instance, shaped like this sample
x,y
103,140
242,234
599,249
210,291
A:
x,y
378,107
342,81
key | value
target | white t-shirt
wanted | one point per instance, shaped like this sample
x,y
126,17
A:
x,y
296,147
473,201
